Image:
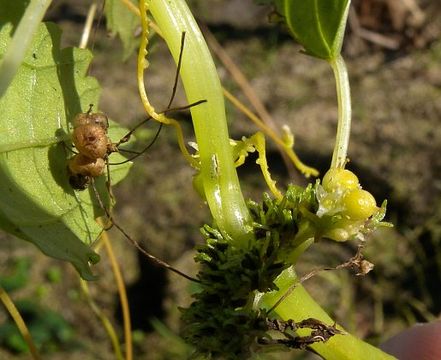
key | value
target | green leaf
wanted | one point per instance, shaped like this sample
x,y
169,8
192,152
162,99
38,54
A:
x,y
37,203
123,22
318,25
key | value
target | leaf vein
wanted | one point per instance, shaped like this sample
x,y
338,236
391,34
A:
x,y
319,25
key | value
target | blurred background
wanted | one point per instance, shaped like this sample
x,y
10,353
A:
x,y
393,52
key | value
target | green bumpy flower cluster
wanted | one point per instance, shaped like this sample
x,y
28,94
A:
x,y
224,320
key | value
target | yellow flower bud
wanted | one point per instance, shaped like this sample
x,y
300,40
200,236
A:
x,y
339,179
359,204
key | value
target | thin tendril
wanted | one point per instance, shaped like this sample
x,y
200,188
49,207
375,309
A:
x,y
135,243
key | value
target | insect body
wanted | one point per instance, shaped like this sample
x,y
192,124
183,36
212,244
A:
x,y
90,137
90,134
93,145
82,169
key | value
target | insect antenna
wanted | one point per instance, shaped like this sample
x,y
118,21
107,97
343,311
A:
x,y
178,69
129,152
134,242
158,131
126,138
149,145
172,97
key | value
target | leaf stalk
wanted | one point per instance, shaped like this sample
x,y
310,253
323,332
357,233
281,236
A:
x,y
339,156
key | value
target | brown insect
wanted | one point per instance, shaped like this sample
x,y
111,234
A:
x,y
90,137
93,146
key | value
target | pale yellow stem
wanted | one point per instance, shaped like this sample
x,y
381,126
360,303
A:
x,y
131,7
259,140
103,318
88,26
308,171
122,295
24,331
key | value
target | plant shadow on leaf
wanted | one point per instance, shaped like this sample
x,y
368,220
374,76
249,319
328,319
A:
x,y
58,168
12,12
57,162
66,76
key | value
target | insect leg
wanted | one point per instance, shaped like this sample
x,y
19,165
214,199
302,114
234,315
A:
x,y
153,258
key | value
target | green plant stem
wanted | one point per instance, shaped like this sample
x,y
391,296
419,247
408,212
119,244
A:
x,y
339,155
299,305
200,79
20,41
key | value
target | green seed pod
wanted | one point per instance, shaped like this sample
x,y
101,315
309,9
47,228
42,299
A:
x,y
359,204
